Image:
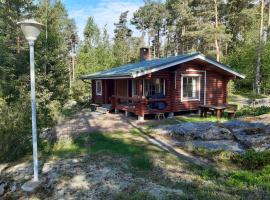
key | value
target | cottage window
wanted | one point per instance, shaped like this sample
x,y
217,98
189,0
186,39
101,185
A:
x,y
191,87
98,87
154,86
135,87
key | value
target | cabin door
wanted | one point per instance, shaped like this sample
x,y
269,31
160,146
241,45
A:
x,y
110,90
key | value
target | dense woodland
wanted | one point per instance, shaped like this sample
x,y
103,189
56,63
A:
x,y
236,32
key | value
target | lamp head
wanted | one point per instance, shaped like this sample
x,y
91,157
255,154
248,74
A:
x,y
31,29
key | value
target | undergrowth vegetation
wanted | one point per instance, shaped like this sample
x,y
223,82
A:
x,y
253,111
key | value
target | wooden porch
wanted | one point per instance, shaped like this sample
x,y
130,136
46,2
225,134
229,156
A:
x,y
139,105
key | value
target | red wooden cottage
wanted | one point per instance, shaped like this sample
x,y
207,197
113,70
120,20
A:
x,y
165,85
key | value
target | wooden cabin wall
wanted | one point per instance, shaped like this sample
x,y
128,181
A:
x,y
216,87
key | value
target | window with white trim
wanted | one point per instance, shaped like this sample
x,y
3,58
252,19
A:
x,y
98,87
191,87
154,86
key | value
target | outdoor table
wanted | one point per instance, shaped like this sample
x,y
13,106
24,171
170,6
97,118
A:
x,y
219,110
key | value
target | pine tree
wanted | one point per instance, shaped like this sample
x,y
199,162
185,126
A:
x,y
259,50
151,18
121,40
91,33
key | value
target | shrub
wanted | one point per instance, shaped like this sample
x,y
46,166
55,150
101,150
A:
x,y
79,91
252,111
252,160
15,130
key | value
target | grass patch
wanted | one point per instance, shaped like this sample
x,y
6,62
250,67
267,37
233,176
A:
x,y
252,160
245,179
134,196
200,119
124,144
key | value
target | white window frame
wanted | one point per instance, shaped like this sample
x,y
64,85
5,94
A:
x,y
98,93
164,86
182,88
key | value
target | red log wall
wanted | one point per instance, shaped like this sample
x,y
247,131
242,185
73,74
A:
x,y
216,87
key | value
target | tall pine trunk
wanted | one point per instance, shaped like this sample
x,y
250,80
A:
x,y
216,28
259,52
268,24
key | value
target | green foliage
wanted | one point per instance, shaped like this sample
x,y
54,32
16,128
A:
x,y
15,129
51,64
252,160
247,179
252,111
80,91
123,42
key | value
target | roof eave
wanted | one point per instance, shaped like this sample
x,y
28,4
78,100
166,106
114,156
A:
x,y
221,66
196,56
106,77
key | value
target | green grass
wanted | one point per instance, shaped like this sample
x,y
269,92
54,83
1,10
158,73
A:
x,y
200,119
117,143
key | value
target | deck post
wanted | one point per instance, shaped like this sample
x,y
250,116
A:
x,y
141,112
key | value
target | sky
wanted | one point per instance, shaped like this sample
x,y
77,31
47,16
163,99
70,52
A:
x,y
103,11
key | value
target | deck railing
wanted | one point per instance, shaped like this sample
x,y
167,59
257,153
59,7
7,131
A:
x,y
138,105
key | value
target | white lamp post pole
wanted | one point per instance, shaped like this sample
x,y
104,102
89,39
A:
x,y
33,105
31,30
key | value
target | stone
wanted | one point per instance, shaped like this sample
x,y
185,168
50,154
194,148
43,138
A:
x,y
252,135
196,130
3,186
13,187
30,186
214,145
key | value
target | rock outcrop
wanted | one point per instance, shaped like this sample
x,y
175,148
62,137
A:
x,y
212,135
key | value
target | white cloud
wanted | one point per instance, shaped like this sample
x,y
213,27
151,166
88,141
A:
x,y
105,12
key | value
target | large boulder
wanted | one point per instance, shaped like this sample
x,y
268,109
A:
x,y
251,135
196,130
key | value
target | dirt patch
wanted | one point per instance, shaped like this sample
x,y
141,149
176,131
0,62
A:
x,y
84,177
87,121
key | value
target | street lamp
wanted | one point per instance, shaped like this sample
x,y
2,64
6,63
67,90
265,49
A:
x,y
31,30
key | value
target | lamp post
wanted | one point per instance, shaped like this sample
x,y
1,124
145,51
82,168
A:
x,y
31,30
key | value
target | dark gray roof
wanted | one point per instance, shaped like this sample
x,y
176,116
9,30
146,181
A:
x,y
133,70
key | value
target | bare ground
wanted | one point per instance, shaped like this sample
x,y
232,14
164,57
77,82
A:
x,y
104,176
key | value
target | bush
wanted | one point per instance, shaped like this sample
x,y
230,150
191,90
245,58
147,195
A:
x,y
80,91
252,111
252,160
15,130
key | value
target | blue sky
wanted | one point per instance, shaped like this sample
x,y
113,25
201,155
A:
x,y
103,11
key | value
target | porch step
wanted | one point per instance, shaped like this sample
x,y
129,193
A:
x,y
105,108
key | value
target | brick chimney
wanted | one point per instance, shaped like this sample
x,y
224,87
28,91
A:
x,y
145,54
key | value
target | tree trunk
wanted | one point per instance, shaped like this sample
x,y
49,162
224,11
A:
x,y
216,27
259,52
268,28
